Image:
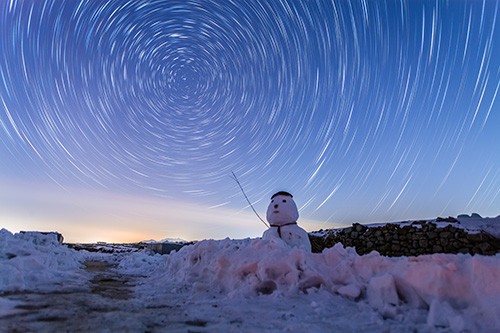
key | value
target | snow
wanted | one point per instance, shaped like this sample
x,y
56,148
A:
x,y
264,285
34,261
477,223
282,215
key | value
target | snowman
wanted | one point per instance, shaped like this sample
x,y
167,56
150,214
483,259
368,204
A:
x,y
282,215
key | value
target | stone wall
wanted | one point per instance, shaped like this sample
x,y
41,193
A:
x,y
417,238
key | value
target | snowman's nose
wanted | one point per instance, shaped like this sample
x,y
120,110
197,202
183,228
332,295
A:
x,y
276,206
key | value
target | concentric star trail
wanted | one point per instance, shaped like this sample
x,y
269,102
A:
x,y
365,110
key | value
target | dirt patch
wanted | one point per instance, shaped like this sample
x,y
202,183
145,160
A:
x,y
97,266
107,282
104,300
103,290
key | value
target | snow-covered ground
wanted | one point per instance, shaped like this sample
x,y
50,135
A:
x,y
249,285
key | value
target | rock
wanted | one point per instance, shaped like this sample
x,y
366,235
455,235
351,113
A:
x,y
437,249
358,227
423,243
445,234
395,247
484,247
479,237
431,226
431,235
446,219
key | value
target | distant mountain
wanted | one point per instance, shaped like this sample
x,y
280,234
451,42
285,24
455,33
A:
x,y
173,240
148,241
165,240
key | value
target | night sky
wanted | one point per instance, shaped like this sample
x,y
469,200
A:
x,y
131,115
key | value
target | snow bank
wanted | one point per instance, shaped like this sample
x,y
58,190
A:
x,y
460,292
35,262
441,291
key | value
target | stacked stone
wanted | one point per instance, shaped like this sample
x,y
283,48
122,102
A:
x,y
421,237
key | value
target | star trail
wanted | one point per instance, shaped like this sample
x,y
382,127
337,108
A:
x,y
364,110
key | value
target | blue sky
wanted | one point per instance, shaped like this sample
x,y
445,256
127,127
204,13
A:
x,y
364,110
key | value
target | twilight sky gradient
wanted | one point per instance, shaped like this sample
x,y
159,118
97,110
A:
x,y
122,120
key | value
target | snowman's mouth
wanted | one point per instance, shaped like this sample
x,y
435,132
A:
x,y
276,211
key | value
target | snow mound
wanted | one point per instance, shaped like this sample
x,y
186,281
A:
x,y
459,292
35,261
476,223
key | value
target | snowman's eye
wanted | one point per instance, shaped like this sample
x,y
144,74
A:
x,y
284,200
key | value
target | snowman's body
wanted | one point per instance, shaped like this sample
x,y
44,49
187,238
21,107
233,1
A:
x,y
282,215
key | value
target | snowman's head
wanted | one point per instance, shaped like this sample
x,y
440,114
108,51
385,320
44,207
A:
x,y
282,209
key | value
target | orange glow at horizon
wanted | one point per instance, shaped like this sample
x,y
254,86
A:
x,y
83,216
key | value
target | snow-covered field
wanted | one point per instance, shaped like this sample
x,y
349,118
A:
x,y
249,285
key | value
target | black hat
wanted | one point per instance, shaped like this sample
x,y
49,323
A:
x,y
281,193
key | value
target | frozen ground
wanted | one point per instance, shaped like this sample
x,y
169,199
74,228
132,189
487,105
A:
x,y
246,285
